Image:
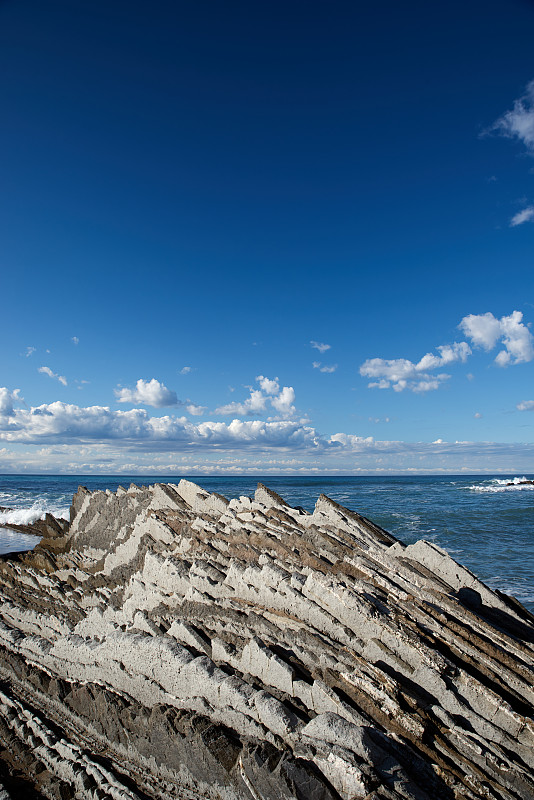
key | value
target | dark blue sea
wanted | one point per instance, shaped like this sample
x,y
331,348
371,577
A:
x,y
483,522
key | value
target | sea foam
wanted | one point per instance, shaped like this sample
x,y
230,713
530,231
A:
x,y
26,516
503,485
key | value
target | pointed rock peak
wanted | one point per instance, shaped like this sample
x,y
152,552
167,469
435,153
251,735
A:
x,y
199,499
77,501
269,498
326,505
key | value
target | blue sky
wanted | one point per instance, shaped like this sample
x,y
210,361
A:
x,y
267,237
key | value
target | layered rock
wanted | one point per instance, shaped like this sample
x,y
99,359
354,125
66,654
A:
x,y
171,644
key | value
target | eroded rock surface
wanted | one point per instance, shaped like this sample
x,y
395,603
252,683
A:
x,y
172,644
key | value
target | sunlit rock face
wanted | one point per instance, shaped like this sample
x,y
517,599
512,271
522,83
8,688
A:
x,y
171,644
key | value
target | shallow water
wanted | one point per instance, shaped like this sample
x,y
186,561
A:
x,y
481,521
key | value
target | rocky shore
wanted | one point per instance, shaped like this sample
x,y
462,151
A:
x,y
168,643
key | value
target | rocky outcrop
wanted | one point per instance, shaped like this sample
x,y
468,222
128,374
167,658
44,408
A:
x,y
171,644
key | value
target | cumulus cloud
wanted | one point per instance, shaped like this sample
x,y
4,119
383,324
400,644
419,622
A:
x,y
75,340
268,386
401,373
448,353
526,405
320,346
57,423
7,401
69,438
147,393
485,330
526,215
323,367
283,402
48,371
194,410
255,404
30,351
185,370
269,393
518,123
350,440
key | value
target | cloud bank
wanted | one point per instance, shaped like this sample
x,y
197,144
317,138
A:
x,y
71,438
58,423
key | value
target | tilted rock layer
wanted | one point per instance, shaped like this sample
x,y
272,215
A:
x,y
171,644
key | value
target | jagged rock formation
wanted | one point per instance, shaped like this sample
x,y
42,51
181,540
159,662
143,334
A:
x,y
172,644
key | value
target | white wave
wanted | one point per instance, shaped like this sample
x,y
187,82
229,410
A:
x,y
524,592
503,485
26,516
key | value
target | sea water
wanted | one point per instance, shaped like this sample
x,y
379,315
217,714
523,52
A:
x,y
484,522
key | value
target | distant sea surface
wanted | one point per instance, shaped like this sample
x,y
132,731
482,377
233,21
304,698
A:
x,y
483,522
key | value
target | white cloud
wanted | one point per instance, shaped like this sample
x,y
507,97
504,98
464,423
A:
x,y
448,353
147,393
195,411
519,122
283,401
75,340
485,331
350,440
526,405
71,438
268,386
325,368
185,370
48,371
268,393
478,415
255,404
30,351
401,373
526,215
320,346
7,401
67,423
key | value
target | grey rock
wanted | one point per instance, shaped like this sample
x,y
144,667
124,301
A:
x,y
169,643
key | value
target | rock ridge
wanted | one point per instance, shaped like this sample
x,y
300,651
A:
x,y
168,642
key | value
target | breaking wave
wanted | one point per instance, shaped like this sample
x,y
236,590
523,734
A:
x,y
504,485
25,516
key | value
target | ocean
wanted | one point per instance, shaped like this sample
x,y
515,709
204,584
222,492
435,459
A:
x,y
486,523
